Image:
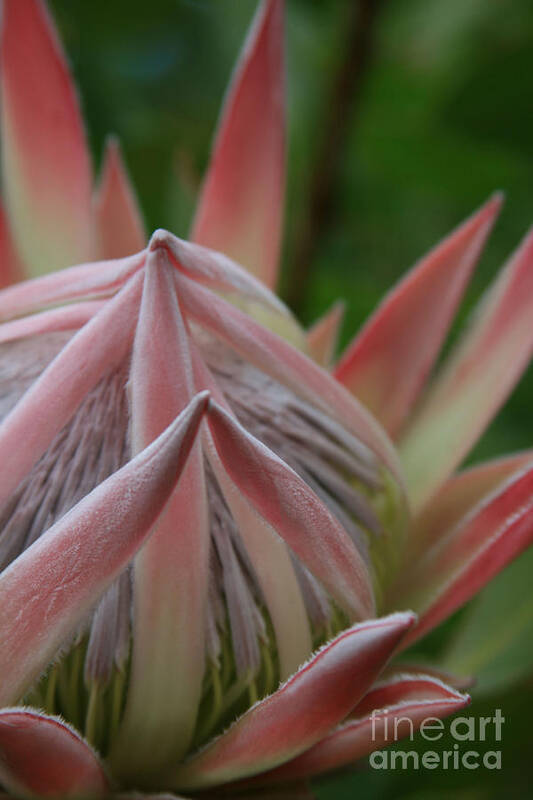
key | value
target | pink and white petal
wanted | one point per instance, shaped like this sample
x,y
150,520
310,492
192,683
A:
x,y
274,356
101,345
241,205
46,167
171,571
50,588
474,382
82,282
388,363
388,713
65,318
302,711
41,756
469,555
461,493
119,226
295,512
11,267
323,336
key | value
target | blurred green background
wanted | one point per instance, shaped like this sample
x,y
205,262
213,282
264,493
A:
x,y
441,116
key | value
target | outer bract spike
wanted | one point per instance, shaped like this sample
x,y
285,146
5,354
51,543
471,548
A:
x,y
387,365
120,229
241,205
46,169
474,382
469,555
461,493
322,337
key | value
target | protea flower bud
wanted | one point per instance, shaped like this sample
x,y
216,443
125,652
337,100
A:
x,y
205,536
284,524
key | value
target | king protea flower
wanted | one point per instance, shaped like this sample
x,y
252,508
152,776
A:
x,y
208,540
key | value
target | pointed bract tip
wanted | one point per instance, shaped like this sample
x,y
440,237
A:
x,y
158,239
112,144
250,141
400,625
497,198
200,402
112,157
402,619
273,7
492,207
185,425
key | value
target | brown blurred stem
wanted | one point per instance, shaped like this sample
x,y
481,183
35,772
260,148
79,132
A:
x,y
341,106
